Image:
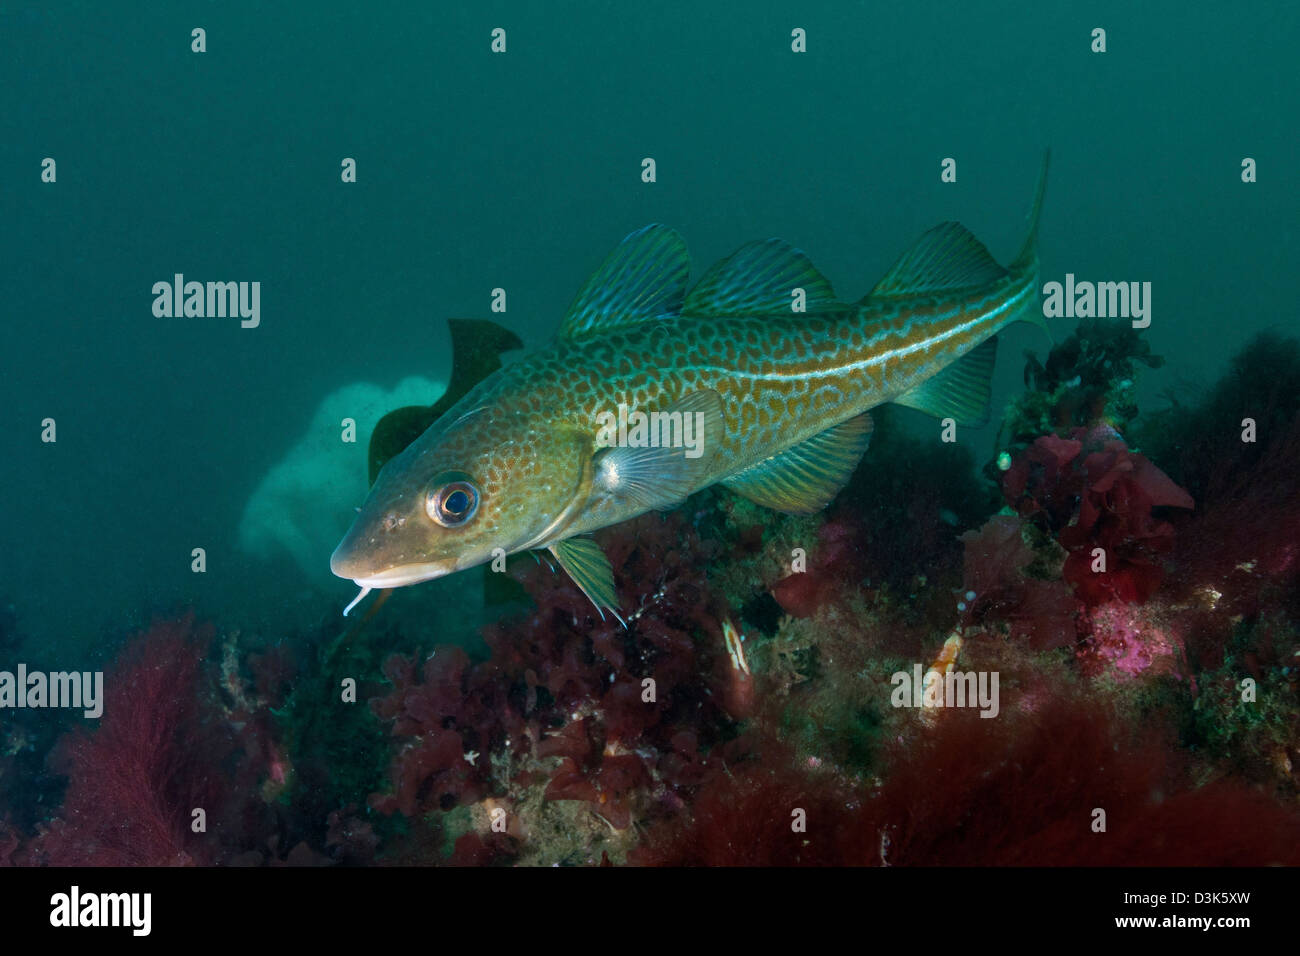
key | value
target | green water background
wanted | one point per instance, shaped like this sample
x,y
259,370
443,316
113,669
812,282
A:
x,y
521,170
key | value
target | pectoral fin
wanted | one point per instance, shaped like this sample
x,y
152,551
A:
x,y
660,476
586,564
803,479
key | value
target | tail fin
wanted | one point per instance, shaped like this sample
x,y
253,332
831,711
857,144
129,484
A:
x,y
1030,249
1027,260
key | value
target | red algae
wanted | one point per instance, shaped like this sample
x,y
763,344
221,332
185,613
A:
x,y
135,781
1021,791
996,586
1099,500
612,717
1125,620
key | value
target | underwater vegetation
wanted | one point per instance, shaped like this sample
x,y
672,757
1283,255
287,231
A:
x,y
1101,502
554,727
1089,378
1132,577
973,792
133,779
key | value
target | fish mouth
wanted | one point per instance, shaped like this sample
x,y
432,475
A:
x,y
400,577
397,577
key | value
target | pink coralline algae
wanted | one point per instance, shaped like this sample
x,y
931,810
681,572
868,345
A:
x,y
1097,498
1124,641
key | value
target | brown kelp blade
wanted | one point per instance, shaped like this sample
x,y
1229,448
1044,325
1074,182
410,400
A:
x,y
476,347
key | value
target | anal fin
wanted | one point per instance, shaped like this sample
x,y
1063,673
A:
x,y
803,479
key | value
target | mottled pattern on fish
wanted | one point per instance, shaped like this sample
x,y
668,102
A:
x,y
783,396
782,378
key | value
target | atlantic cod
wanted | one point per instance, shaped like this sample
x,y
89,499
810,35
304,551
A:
x,y
761,378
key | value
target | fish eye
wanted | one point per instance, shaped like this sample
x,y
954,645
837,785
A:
x,y
453,503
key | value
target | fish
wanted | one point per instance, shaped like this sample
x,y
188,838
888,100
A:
x,y
756,378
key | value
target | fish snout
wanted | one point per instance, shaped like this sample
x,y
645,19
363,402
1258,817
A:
x,y
357,561
345,563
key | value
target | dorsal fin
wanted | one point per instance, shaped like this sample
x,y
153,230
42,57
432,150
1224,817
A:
x,y
803,479
758,278
961,391
946,257
644,278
